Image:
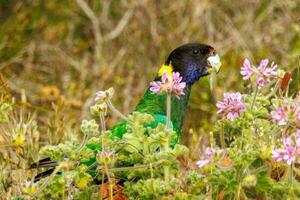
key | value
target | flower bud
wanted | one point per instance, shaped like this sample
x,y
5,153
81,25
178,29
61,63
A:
x,y
266,152
82,180
29,188
280,73
19,140
107,157
65,166
249,181
98,109
89,127
62,181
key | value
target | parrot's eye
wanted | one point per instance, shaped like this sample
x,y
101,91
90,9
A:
x,y
195,51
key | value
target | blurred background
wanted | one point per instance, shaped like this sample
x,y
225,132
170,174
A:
x,y
54,56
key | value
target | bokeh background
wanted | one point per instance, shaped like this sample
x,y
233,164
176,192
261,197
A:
x,y
54,56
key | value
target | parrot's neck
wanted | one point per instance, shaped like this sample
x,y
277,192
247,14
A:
x,y
155,104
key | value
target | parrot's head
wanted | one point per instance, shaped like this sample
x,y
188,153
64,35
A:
x,y
193,60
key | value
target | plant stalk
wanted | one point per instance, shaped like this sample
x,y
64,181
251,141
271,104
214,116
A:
x,y
291,174
222,137
166,143
103,129
145,148
254,97
111,192
275,89
166,168
102,123
118,113
168,112
136,167
85,138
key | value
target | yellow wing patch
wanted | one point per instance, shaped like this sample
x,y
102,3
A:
x,y
168,68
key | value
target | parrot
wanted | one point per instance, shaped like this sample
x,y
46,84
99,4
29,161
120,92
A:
x,y
192,61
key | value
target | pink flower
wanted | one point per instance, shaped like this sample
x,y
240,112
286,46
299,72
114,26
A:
x,y
262,73
155,87
260,81
172,84
101,95
207,156
285,155
104,95
286,110
291,150
178,86
231,106
290,155
262,67
272,70
279,116
278,154
247,70
202,163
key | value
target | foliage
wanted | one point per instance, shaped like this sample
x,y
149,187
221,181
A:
x,y
143,165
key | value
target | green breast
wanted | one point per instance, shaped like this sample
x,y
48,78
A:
x,y
156,105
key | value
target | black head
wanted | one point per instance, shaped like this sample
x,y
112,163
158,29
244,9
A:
x,y
190,60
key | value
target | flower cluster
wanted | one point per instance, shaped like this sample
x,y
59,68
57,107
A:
x,y
106,156
171,84
89,127
102,100
99,108
207,156
286,110
291,150
231,106
104,95
261,74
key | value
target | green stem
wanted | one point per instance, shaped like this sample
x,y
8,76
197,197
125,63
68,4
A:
x,y
275,89
168,112
291,177
85,138
166,168
102,122
211,140
238,192
111,192
151,170
136,167
254,97
110,105
166,143
145,147
222,137
103,129
69,185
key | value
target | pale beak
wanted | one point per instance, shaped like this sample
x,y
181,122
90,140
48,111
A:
x,y
214,62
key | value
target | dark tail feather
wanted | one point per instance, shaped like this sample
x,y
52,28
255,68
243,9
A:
x,y
46,162
44,174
